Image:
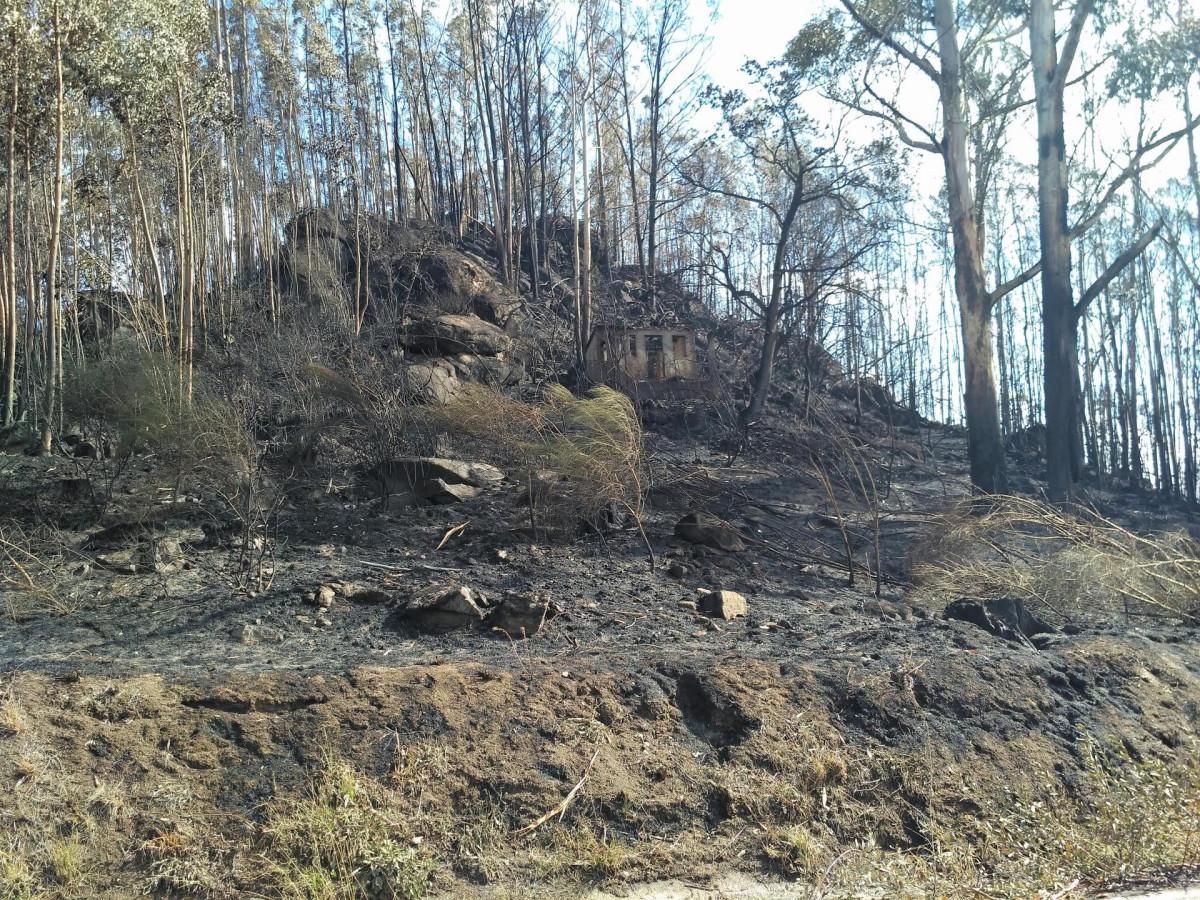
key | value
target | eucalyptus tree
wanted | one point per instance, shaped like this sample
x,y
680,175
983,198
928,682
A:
x,y
20,45
869,53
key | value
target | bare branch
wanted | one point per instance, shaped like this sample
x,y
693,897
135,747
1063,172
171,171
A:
x,y
1135,167
1131,253
1066,58
1012,284
923,64
898,119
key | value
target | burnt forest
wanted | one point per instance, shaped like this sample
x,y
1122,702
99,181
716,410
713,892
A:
x,y
598,449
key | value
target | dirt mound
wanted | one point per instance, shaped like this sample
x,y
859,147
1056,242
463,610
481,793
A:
x,y
690,769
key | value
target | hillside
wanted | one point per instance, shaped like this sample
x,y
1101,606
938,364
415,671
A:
x,y
340,653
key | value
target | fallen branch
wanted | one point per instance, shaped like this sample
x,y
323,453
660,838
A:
x,y
561,809
453,530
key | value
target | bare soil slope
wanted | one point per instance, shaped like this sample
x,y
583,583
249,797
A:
x,y
167,730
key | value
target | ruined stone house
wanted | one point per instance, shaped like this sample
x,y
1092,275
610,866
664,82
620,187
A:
x,y
651,361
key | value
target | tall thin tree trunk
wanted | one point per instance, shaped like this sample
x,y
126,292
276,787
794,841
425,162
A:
x,y
1060,345
985,445
8,383
52,323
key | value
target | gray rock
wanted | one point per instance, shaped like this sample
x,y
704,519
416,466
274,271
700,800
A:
x,y
162,554
445,609
120,562
489,370
449,334
434,382
360,593
497,306
258,634
523,615
701,528
407,475
435,490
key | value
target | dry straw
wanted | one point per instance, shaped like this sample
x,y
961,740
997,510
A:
x,y
1066,565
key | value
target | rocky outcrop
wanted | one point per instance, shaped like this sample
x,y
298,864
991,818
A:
x,y
555,237
398,267
458,318
455,334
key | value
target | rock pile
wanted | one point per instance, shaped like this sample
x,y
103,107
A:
x,y
446,608
456,320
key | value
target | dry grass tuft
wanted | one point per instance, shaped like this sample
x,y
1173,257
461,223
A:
x,y
12,718
341,843
67,859
591,445
31,764
18,879
135,401
107,801
1135,815
29,575
1065,565
796,852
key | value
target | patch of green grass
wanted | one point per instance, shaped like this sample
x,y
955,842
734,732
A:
x,y
67,859
17,880
343,841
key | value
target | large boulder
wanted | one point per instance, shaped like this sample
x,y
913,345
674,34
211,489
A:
x,y
413,478
445,608
453,334
444,278
433,381
415,470
318,260
398,266
555,237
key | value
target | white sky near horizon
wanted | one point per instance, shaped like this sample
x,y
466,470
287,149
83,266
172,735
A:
x,y
751,29
762,29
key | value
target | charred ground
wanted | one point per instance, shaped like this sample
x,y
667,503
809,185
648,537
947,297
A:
x,y
193,701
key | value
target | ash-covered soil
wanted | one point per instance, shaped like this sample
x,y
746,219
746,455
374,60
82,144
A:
x,y
202,699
